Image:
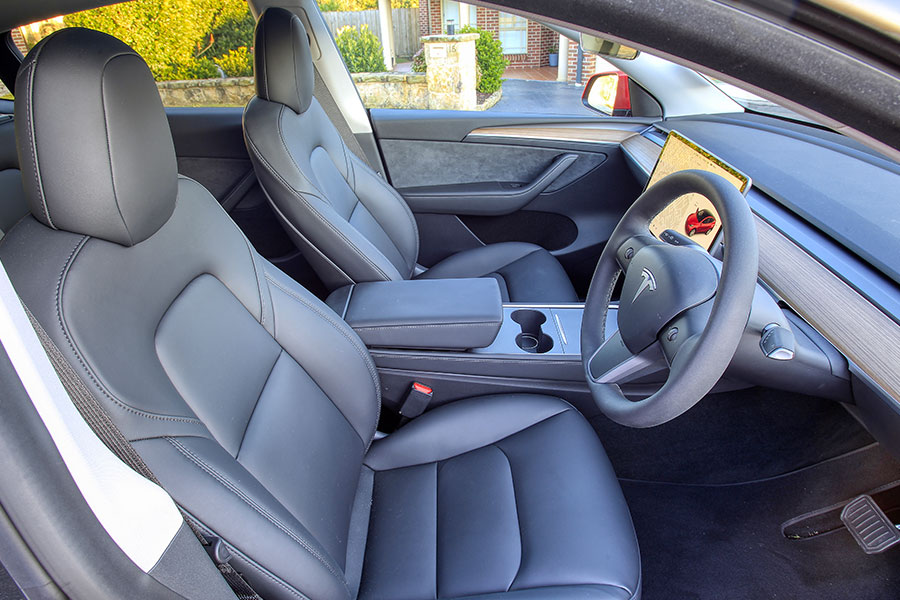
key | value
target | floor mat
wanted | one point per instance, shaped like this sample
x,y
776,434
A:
x,y
725,541
733,437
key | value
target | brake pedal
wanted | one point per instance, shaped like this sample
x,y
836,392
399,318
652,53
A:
x,y
869,526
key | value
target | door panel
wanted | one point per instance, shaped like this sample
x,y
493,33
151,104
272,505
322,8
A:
x,y
434,157
209,144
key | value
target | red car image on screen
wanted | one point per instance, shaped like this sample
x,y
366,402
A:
x,y
701,221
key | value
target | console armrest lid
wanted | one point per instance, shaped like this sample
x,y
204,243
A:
x,y
449,314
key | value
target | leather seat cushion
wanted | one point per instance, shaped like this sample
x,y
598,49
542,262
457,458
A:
x,y
525,272
497,495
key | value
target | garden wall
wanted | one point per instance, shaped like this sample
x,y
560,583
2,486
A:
x,y
230,91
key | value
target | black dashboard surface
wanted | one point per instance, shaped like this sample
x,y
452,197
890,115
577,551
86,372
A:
x,y
833,183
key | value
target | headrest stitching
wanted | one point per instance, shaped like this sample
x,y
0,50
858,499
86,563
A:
x,y
32,137
294,63
109,153
263,63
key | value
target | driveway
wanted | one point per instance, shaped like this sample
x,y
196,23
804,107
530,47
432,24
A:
x,y
542,97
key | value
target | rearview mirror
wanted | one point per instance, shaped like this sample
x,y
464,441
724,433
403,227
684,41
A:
x,y
603,47
608,93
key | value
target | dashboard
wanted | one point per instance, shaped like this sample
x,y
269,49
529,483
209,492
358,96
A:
x,y
815,276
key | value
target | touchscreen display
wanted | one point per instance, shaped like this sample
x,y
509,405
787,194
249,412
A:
x,y
691,214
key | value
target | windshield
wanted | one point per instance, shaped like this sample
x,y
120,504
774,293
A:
x,y
754,103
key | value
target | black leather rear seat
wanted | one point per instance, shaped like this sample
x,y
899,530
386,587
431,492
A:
x,y
13,205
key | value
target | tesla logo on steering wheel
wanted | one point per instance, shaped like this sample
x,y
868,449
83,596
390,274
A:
x,y
648,282
701,221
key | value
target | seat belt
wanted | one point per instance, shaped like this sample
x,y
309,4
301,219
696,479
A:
x,y
102,425
334,114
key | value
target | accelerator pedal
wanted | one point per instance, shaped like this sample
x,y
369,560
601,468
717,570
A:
x,y
869,526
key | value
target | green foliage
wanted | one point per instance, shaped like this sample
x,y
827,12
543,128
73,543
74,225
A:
x,y
329,5
361,49
490,59
418,61
177,38
201,67
232,30
237,63
355,5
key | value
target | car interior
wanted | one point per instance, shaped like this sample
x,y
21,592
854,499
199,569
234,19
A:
x,y
304,349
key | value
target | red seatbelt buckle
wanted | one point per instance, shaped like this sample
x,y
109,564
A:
x,y
416,401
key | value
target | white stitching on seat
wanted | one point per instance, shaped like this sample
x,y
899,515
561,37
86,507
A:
x,y
299,195
59,315
363,353
212,472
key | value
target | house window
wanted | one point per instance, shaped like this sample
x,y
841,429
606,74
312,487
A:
x,y
460,13
513,34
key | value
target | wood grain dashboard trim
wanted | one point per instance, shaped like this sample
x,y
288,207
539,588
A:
x,y
561,133
846,318
644,152
855,326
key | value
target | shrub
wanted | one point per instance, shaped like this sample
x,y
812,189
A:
x,y
232,30
200,67
490,59
237,63
418,61
361,49
329,5
177,38
355,5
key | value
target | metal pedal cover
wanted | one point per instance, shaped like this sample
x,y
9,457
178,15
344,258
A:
x,y
869,526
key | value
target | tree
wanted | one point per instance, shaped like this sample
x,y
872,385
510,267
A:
x,y
356,5
177,38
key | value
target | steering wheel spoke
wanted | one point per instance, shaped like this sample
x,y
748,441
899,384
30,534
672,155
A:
x,y
689,324
614,363
632,246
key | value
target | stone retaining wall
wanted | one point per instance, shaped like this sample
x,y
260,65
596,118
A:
x,y
231,91
378,90
392,90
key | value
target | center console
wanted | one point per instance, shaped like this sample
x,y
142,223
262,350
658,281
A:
x,y
457,337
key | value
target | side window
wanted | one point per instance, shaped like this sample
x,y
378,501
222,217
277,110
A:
x,y
200,52
444,54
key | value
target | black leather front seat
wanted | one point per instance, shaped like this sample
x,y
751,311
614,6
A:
x,y
350,223
254,404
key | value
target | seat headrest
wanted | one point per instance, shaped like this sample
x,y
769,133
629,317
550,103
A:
x,y
94,144
284,67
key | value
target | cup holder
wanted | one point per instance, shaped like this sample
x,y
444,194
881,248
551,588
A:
x,y
532,339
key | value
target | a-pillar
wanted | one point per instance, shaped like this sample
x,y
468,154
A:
x,y
386,24
451,72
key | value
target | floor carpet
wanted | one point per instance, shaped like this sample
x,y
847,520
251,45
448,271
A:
x,y
709,492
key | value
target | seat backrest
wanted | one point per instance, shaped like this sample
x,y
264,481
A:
x,y
251,401
350,223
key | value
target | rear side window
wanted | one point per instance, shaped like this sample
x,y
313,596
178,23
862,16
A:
x,y
199,51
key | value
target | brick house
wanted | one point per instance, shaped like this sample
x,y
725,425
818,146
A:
x,y
525,43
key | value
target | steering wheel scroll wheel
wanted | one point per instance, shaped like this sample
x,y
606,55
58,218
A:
x,y
678,303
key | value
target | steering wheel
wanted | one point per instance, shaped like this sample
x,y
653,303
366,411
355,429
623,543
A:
x,y
678,303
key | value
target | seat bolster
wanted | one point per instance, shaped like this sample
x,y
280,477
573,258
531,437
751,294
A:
x,y
390,211
345,372
280,144
231,503
529,272
460,427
